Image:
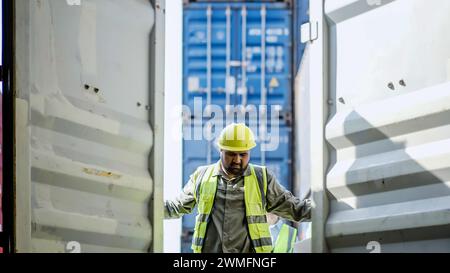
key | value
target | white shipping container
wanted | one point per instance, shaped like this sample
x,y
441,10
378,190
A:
x,y
89,125
373,109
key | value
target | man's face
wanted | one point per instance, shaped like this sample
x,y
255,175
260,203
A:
x,y
235,162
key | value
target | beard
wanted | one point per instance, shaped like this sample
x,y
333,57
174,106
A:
x,y
235,169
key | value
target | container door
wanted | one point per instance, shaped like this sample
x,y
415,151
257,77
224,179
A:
x,y
379,75
88,97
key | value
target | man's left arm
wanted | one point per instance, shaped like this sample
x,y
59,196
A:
x,y
283,203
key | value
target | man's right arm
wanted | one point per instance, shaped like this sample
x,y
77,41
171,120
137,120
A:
x,y
183,204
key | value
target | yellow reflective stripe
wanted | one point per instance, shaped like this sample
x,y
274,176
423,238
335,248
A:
x,y
206,191
263,249
259,229
255,209
208,187
262,184
202,230
256,212
253,202
251,188
281,242
196,249
198,178
286,240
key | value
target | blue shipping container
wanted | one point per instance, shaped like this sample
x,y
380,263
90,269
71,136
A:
x,y
239,53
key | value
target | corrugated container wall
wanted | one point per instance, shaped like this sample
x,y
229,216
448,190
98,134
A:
x,y
87,100
377,148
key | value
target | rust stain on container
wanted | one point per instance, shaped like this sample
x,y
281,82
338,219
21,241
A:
x,y
101,173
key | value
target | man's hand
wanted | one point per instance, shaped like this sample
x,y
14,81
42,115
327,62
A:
x,y
306,210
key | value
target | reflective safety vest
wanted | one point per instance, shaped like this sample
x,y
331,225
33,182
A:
x,y
285,240
255,190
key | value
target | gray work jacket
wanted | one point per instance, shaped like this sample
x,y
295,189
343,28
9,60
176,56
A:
x,y
227,231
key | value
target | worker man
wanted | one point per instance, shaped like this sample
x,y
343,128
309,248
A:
x,y
233,198
283,235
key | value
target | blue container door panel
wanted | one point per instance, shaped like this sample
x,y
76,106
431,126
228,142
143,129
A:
x,y
227,55
277,48
199,71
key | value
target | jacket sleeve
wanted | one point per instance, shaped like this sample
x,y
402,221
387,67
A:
x,y
184,203
283,203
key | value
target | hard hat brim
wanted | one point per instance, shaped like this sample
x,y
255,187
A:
x,y
235,149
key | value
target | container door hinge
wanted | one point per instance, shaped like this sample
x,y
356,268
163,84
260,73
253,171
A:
x,y
309,32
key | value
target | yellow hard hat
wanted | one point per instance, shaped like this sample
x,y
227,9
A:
x,y
236,137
